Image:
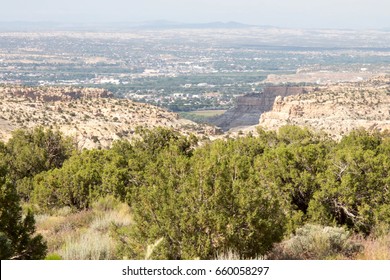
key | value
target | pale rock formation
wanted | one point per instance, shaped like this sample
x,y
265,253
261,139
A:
x,y
91,116
335,109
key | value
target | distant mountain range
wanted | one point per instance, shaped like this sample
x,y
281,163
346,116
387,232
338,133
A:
x,y
117,26
169,24
128,26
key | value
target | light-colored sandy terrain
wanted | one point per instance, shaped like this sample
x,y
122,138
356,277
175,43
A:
x,y
335,109
92,116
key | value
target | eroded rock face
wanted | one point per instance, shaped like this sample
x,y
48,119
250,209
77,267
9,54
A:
x,y
335,109
52,94
249,107
90,116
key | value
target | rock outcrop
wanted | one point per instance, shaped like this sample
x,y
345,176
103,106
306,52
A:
x,y
52,94
90,116
249,107
335,109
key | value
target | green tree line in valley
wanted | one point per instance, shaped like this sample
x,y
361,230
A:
x,y
197,200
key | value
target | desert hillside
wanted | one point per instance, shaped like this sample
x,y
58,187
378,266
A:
x,y
335,109
92,116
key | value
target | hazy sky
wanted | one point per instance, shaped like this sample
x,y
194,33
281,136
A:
x,y
283,13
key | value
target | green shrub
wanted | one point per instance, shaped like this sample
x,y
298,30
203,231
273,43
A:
x,y
5,247
37,150
17,233
206,204
354,187
83,179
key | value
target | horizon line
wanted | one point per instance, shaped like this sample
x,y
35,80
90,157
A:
x,y
163,23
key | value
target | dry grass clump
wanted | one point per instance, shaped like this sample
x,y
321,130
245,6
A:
x,y
91,245
45,222
119,217
84,235
233,255
315,242
104,204
64,211
60,226
78,220
375,248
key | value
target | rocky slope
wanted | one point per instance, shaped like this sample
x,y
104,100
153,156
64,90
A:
x,y
89,115
249,107
335,109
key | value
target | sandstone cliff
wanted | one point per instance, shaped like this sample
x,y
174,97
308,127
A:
x,y
335,109
249,107
91,116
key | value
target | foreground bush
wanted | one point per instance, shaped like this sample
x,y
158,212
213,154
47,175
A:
x,y
83,179
207,204
234,195
30,152
354,190
17,233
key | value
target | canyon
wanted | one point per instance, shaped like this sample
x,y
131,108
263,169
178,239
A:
x,y
249,107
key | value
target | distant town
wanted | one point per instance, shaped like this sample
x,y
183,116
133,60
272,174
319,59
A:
x,y
188,69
